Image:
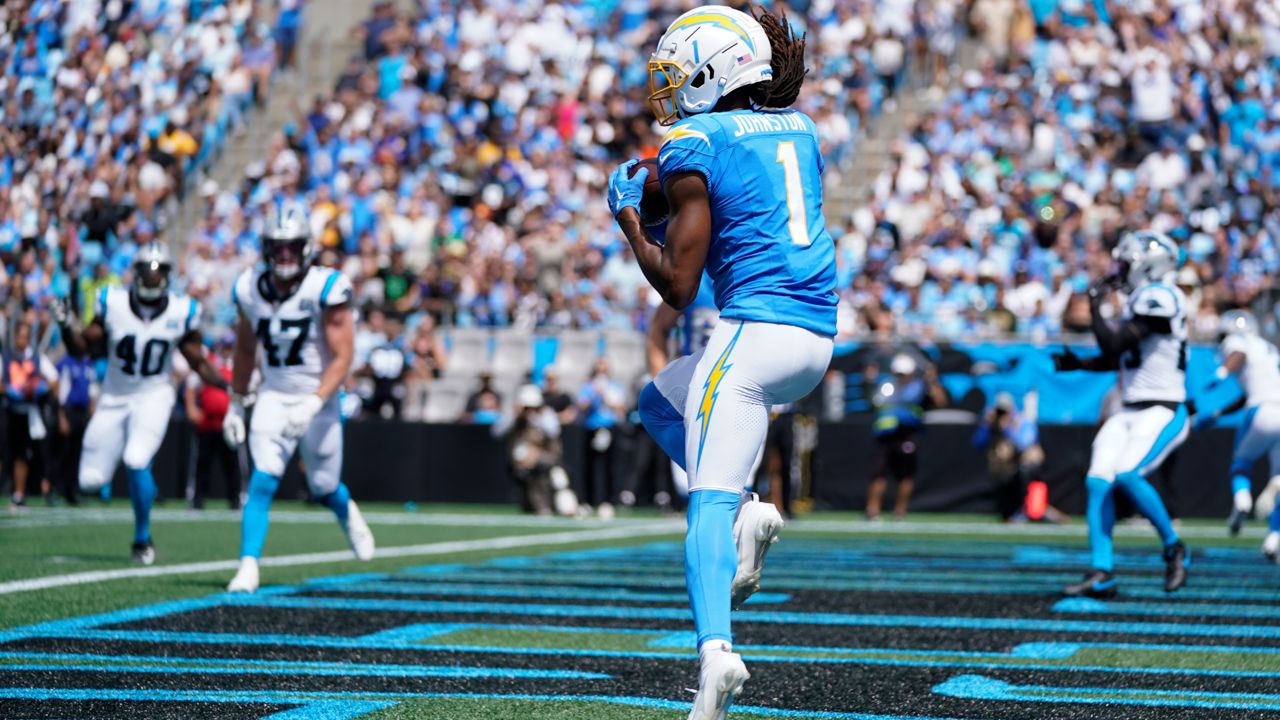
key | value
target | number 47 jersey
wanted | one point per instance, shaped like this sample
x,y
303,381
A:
x,y
289,329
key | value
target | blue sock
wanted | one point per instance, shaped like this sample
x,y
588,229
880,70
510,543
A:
x,y
710,560
337,502
1149,504
142,493
1273,522
1240,482
254,520
664,423
1101,516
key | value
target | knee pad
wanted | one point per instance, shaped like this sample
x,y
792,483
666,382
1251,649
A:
x,y
655,409
1266,500
135,459
91,481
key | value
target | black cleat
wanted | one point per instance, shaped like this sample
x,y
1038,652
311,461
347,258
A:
x,y
1098,584
1236,521
143,553
1176,561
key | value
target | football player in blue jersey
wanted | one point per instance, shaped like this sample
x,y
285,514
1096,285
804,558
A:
x,y
742,177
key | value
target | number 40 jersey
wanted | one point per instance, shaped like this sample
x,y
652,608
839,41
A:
x,y
140,352
289,330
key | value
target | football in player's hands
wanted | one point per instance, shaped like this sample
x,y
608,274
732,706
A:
x,y
653,204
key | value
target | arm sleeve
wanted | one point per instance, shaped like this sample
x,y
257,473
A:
x,y
337,291
686,148
193,316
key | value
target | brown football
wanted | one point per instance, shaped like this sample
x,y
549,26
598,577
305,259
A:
x,y
653,204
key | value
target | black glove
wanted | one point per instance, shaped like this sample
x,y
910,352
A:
x,y
1066,360
1099,289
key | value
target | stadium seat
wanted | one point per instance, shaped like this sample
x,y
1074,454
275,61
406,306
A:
x,y
468,352
512,354
446,399
576,354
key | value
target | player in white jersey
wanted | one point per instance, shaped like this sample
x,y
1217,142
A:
x,y
138,327
300,317
1149,348
1256,364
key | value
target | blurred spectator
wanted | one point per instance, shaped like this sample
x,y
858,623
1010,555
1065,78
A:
x,y
29,377
484,407
77,393
900,402
602,404
556,398
1015,459
206,406
387,367
536,457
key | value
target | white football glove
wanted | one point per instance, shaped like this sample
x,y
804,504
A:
x,y
60,311
301,415
233,427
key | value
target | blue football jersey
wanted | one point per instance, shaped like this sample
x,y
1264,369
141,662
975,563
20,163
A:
x,y
699,318
771,258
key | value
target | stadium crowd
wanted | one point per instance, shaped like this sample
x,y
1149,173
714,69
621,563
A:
x,y
456,168
1085,119
110,109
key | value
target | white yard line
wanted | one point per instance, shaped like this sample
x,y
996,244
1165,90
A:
x,y
80,516
616,532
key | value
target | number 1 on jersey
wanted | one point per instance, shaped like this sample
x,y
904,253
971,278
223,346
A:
x,y
796,221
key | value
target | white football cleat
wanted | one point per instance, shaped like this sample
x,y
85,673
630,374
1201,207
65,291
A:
x,y
1271,547
246,579
358,533
755,529
719,682
1242,505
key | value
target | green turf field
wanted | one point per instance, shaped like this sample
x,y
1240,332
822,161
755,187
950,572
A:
x,y
478,612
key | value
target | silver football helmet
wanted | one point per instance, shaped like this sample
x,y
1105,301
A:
x,y
151,268
286,240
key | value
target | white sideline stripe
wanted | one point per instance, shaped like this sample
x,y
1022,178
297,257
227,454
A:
x,y
76,516
1077,529
438,548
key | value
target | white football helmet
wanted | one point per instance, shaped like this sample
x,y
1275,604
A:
x,y
286,239
1146,257
1238,322
151,268
706,54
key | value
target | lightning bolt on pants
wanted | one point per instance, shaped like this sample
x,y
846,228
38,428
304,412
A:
x,y
745,368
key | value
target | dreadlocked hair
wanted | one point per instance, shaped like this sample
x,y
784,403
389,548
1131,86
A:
x,y
787,63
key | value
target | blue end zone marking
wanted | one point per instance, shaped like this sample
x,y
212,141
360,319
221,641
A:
x,y
236,666
548,592
1091,606
314,699
793,618
331,710
980,687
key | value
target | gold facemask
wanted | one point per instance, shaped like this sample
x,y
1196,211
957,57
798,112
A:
x,y
665,77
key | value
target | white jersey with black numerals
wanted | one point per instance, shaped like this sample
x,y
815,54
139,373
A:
x,y
1156,371
140,352
1260,374
293,353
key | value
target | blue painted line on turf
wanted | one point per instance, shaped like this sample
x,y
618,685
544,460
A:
x,y
980,687
184,665
284,697
544,592
331,710
1119,607
756,616
1058,647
